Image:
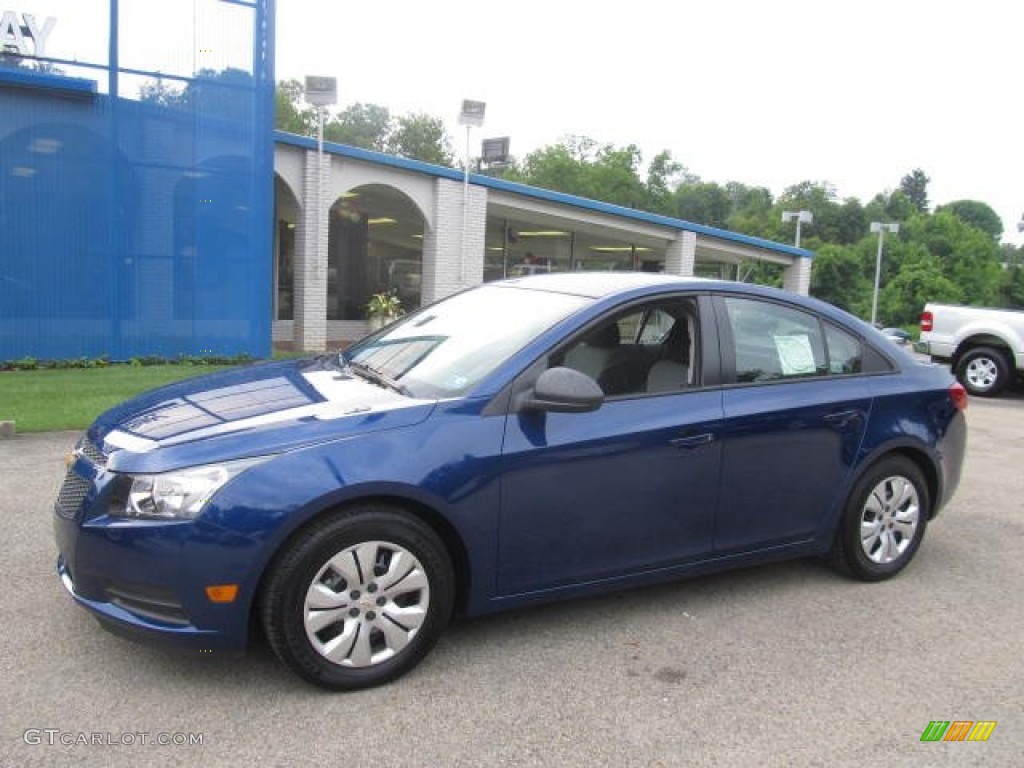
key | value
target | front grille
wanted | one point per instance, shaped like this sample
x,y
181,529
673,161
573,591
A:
x,y
72,494
92,452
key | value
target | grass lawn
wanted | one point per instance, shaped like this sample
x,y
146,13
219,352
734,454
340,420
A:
x,y
70,398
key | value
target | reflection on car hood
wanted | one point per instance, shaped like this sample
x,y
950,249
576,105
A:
x,y
245,412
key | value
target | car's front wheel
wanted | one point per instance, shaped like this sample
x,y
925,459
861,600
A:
x,y
358,598
883,521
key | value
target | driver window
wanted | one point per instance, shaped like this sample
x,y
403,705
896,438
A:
x,y
649,349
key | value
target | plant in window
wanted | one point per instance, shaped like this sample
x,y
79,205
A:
x,y
382,308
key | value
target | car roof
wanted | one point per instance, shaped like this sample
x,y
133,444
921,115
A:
x,y
597,285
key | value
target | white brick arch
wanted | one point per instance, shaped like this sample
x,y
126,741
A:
x,y
286,196
290,168
348,176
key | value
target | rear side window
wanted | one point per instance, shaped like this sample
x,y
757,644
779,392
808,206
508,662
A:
x,y
773,342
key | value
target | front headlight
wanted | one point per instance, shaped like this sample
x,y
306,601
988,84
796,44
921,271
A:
x,y
179,495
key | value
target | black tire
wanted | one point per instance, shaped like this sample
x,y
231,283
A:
x,y
378,621
984,371
881,505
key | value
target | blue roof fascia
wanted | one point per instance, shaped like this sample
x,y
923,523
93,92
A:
x,y
418,166
370,156
27,78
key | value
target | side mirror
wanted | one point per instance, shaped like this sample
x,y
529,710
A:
x,y
564,390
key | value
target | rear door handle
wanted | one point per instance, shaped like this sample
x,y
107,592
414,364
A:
x,y
692,441
842,418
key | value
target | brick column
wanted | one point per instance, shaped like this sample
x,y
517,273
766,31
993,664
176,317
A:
x,y
310,328
681,254
798,276
446,269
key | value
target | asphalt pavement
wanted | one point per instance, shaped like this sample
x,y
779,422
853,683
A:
x,y
783,665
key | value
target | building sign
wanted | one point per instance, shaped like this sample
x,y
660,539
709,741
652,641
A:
x,y
322,91
495,151
20,33
472,113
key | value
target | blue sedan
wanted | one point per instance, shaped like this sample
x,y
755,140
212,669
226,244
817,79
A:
x,y
526,440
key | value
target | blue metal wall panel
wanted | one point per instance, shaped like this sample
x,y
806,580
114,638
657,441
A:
x,y
134,223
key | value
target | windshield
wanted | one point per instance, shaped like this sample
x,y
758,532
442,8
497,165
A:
x,y
444,349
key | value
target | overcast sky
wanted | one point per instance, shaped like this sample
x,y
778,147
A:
x,y
856,94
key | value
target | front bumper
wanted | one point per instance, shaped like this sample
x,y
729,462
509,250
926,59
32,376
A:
x,y
131,623
147,579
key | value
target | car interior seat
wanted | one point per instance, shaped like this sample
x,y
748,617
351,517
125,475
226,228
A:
x,y
672,370
592,355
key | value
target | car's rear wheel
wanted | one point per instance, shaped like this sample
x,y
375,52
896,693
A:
x,y
358,598
984,371
884,520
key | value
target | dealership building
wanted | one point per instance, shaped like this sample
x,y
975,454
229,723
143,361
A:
x,y
147,206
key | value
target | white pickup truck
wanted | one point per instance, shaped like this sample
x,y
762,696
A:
x,y
984,347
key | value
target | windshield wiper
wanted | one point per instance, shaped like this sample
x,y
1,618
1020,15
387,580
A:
x,y
376,377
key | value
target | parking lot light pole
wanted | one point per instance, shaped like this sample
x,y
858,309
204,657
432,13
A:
x,y
801,217
881,228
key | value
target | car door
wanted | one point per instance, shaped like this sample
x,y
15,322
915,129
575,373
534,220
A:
x,y
795,408
632,486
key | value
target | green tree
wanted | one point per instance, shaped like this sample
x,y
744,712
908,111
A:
x,y
834,222
1011,255
749,199
752,211
892,205
969,256
838,276
663,175
920,279
557,167
579,166
617,172
1011,287
367,126
849,223
289,114
703,203
808,195
421,137
977,214
915,186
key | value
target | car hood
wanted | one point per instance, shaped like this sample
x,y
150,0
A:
x,y
251,411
